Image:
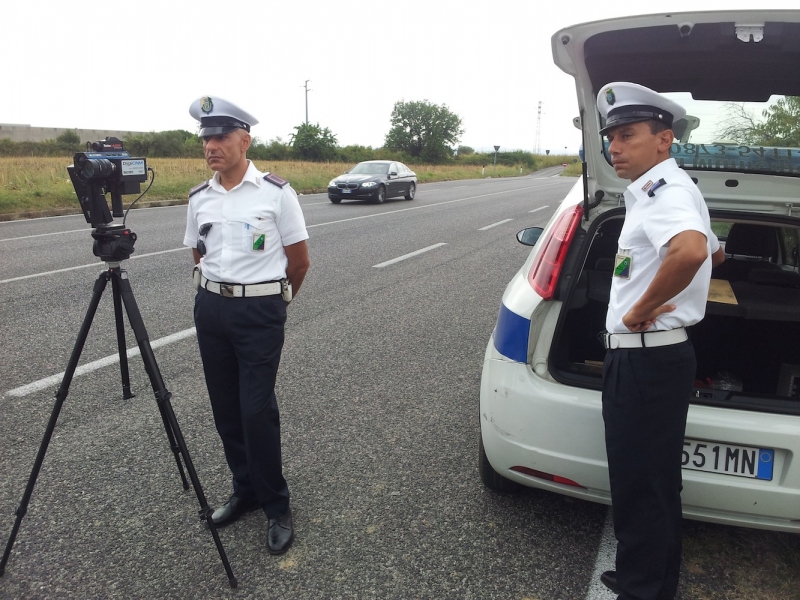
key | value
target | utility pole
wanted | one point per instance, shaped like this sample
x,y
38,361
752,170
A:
x,y
307,90
538,128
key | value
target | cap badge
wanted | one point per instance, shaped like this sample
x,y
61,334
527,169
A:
x,y
206,105
610,97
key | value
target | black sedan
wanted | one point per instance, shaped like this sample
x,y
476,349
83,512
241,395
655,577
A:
x,y
374,180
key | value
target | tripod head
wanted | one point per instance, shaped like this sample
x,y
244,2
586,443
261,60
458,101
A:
x,y
113,243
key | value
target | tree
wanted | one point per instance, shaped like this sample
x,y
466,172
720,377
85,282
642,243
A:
x,y
312,142
780,125
423,130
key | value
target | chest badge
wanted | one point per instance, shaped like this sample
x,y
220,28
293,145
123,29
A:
x,y
259,242
622,266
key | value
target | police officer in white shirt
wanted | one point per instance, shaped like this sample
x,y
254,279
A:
x,y
248,236
659,287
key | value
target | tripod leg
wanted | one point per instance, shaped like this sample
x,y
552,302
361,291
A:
x,y
163,396
123,287
61,395
123,351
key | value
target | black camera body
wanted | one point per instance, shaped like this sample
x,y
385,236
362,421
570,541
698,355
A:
x,y
105,168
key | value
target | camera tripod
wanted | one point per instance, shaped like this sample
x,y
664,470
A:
x,y
113,244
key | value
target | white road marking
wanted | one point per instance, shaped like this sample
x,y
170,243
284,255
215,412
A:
x,y
494,224
409,255
25,237
606,553
380,214
391,212
540,208
55,380
89,265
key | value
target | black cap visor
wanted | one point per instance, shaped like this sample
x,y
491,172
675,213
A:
x,y
635,114
211,126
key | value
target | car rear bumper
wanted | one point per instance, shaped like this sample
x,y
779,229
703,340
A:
x,y
533,422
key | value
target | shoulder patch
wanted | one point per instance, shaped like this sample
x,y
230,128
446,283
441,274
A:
x,y
652,191
198,188
275,180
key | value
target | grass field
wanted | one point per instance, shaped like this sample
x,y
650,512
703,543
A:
x,y
33,186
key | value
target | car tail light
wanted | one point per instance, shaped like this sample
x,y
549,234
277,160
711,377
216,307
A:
x,y
544,274
547,476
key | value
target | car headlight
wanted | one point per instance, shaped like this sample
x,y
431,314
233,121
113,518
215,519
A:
x,y
332,183
369,184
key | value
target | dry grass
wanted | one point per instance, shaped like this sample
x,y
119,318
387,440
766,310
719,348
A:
x,y
33,185
573,170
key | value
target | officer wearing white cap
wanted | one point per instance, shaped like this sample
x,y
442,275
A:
x,y
248,237
659,287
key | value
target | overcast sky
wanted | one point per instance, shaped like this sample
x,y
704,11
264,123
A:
x,y
137,65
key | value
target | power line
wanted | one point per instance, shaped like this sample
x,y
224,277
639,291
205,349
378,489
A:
x,y
537,149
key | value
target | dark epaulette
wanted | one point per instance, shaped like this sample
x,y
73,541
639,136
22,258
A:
x,y
275,180
199,188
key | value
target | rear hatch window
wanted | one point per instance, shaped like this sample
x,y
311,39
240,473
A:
x,y
740,86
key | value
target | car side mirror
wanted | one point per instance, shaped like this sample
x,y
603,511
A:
x,y
529,236
393,173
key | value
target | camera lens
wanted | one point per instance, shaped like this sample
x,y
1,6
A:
x,y
97,168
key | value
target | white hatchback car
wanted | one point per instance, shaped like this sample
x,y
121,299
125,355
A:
x,y
540,408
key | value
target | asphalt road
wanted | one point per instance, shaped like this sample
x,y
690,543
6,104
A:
x,y
378,390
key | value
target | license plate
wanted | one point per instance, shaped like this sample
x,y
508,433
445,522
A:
x,y
346,191
742,461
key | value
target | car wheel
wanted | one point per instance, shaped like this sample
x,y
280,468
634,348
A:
x,y
491,478
380,198
412,190
335,200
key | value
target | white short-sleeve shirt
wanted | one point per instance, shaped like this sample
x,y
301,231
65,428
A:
x,y
650,223
250,225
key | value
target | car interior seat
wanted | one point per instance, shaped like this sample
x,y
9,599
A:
x,y
748,248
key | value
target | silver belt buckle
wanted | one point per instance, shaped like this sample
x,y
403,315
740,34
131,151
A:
x,y
226,290
610,341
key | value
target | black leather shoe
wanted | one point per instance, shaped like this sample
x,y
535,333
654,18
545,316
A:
x,y
280,533
234,508
609,579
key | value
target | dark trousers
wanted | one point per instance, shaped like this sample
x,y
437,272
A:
x,y
646,394
240,343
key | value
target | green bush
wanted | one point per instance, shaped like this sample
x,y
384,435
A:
x,y
518,158
356,154
164,144
276,149
46,148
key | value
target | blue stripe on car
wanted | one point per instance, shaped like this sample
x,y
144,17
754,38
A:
x,y
511,334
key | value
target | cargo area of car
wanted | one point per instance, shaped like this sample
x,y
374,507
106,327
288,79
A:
x,y
748,345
